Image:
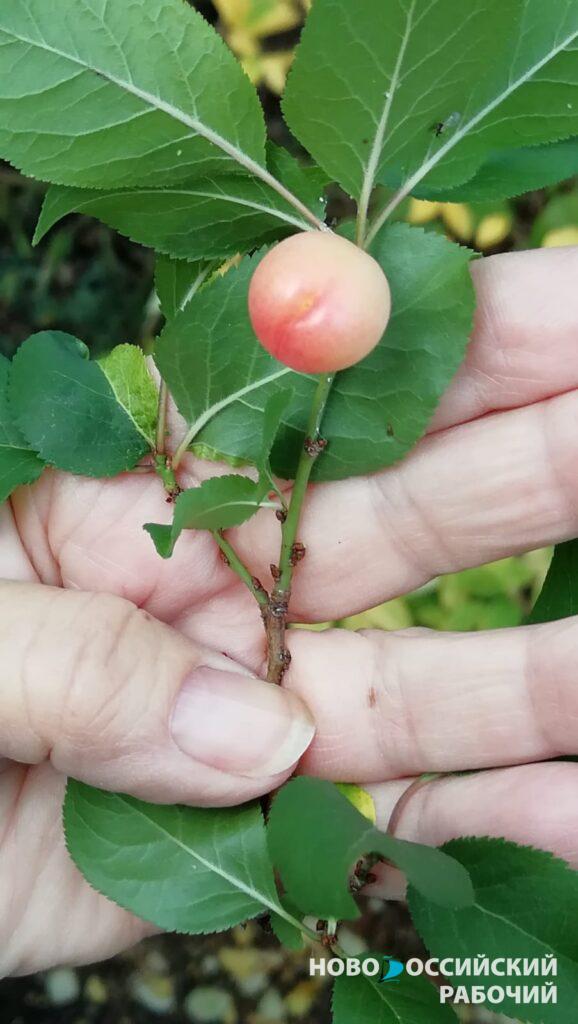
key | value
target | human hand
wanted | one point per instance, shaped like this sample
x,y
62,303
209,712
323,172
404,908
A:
x,y
387,706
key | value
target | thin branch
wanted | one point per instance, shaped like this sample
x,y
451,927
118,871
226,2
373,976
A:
x,y
405,798
232,559
275,616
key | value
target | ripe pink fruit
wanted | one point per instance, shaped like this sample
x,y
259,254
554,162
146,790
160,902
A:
x,y
318,303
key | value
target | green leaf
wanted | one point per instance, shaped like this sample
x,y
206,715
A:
x,y
67,410
525,906
177,281
559,595
131,93
511,172
18,464
207,218
214,367
316,836
272,420
185,869
221,378
218,504
409,85
307,181
403,1001
126,370
284,930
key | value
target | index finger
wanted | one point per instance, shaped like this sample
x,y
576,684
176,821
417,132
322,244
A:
x,y
523,346
482,489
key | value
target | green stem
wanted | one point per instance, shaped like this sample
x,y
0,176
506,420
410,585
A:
x,y
275,615
307,460
257,590
165,471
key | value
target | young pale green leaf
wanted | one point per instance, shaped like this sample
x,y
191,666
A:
x,y
406,84
126,370
526,904
218,504
67,410
177,281
559,595
18,464
360,798
221,378
207,218
132,93
183,868
312,815
403,1001
511,172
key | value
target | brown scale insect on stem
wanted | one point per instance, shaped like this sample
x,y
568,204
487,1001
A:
x,y
298,552
314,446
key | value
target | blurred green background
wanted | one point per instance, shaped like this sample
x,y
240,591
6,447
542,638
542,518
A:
x,y
99,286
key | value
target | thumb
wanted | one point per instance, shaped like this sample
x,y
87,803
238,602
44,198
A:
x,y
119,700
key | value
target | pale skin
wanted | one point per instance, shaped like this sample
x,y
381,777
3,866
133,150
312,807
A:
x,y
88,682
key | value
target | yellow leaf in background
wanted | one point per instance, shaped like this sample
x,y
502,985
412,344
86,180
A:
x,y
459,219
560,236
421,211
245,23
360,799
269,69
493,230
243,44
258,18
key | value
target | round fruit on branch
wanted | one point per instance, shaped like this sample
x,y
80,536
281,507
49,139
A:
x,y
318,303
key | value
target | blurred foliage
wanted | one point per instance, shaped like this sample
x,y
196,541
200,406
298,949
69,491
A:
x,y
484,226
256,31
492,596
83,279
